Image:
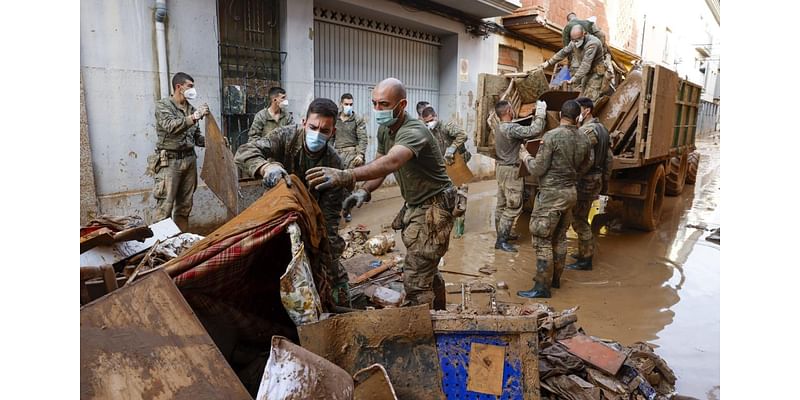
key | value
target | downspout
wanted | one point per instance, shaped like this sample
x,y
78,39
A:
x,y
161,47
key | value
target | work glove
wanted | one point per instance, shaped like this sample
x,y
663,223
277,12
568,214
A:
x,y
341,294
544,65
273,172
322,178
197,115
203,110
541,109
356,199
449,154
358,161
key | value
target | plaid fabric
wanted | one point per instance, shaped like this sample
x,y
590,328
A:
x,y
234,277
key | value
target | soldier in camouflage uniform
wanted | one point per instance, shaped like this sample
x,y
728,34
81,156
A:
x,y
351,138
450,137
421,106
587,66
407,149
272,117
563,157
295,149
174,163
508,139
590,185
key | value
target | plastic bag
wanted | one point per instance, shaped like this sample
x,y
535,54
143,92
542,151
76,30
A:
x,y
298,293
561,76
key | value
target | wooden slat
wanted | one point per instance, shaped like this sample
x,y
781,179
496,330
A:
x,y
662,113
219,170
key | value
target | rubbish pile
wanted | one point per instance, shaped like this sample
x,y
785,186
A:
x,y
576,366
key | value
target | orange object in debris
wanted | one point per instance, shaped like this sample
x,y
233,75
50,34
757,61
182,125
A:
x,y
595,353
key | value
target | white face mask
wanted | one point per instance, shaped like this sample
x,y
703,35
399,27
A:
x,y
284,103
578,43
190,94
348,110
432,124
580,118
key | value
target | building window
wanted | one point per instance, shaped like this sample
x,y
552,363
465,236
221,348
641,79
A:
x,y
509,59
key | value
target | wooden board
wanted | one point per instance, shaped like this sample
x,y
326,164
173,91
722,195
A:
x,y
485,374
532,147
458,172
490,87
219,171
144,342
661,126
595,353
100,237
102,255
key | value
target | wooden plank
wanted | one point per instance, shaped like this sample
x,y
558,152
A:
x,y
144,341
595,353
662,113
459,172
100,237
219,171
102,255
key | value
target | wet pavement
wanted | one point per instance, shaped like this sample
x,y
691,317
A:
x,y
661,287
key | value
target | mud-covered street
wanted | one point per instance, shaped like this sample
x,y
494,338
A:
x,y
662,287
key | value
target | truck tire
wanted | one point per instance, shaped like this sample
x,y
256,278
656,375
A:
x,y
691,170
676,174
646,214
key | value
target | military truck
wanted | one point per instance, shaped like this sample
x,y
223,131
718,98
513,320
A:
x,y
652,119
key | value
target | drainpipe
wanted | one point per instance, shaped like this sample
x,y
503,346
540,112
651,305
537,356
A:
x,y
161,47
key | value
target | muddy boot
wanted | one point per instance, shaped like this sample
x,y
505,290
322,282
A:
x,y
583,264
512,237
540,289
502,235
558,269
439,293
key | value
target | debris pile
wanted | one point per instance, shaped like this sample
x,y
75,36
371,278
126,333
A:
x,y
573,365
356,240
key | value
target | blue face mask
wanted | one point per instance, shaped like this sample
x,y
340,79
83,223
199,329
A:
x,y
348,110
385,117
315,141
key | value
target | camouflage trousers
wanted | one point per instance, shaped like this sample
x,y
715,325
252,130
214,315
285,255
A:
x,y
347,154
509,195
593,85
550,221
174,189
426,235
588,191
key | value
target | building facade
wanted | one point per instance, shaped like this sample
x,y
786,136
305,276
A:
x,y
237,49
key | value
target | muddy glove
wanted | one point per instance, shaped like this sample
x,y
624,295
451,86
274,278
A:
x,y
358,161
322,178
341,294
197,115
541,109
448,155
544,64
356,199
273,172
203,109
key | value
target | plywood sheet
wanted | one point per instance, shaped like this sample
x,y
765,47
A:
x,y
144,342
662,113
219,170
458,172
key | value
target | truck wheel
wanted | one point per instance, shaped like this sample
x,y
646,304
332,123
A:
x,y
691,171
645,214
676,174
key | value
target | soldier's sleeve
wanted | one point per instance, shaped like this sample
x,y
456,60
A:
x,y
289,119
537,127
562,54
607,167
458,135
522,132
255,153
588,159
586,62
361,134
257,127
174,125
565,35
538,165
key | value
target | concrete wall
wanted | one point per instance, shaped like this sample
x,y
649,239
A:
x,y
119,68
89,206
297,39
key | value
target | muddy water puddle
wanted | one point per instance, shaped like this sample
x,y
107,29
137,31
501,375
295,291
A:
x,y
661,287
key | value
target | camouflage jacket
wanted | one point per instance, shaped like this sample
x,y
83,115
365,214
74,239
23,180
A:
x,y
601,147
585,59
510,135
449,134
588,27
285,145
175,128
563,157
351,132
263,123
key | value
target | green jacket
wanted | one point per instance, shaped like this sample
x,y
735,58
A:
x,y
175,128
449,134
352,132
263,123
563,157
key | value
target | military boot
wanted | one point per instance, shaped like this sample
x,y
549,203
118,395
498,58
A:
x,y
512,237
540,288
584,256
583,264
502,237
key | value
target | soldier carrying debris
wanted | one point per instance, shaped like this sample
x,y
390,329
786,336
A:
x,y
563,157
296,149
587,66
409,150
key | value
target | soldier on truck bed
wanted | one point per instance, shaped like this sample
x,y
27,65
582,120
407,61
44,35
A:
x,y
407,149
509,137
587,66
591,184
563,157
351,139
